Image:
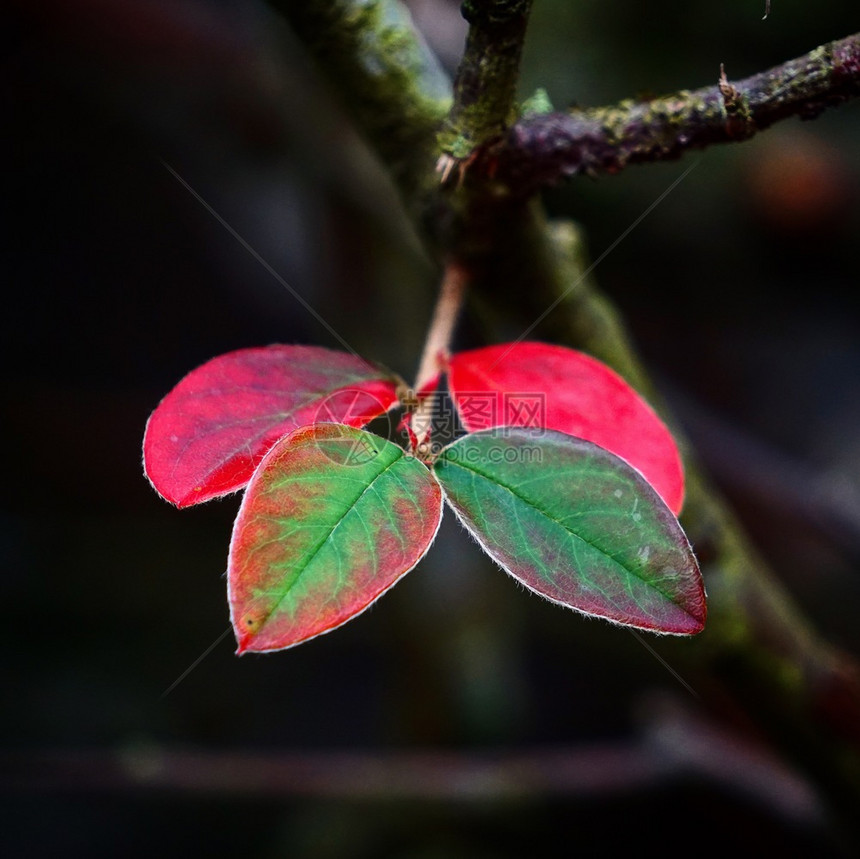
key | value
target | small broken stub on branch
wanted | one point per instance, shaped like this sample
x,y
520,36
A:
x,y
739,124
447,165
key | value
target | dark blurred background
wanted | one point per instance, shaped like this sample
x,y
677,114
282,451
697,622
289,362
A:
x,y
461,716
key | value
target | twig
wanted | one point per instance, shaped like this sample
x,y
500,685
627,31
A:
x,y
484,104
673,745
542,149
486,83
436,349
387,77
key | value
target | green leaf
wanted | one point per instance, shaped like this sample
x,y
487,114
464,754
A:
x,y
331,519
575,524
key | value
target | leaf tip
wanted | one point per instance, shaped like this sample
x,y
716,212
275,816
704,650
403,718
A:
x,y
693,626
696,613
188,499
700,617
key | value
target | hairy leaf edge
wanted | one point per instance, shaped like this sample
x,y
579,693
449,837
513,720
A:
x,y
485,548
192,501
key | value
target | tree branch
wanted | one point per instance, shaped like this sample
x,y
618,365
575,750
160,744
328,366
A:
x,y
486,84
543,149
670,747
385,76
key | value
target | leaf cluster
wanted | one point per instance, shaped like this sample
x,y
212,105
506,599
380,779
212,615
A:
x,y
558,469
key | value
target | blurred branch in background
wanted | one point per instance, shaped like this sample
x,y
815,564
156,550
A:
x,y
673,745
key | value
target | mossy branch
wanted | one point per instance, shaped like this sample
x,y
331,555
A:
x,y
384,75
486,84
542,149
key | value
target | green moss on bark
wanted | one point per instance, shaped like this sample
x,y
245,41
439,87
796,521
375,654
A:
x,y
384,75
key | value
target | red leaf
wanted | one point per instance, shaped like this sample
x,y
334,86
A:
x,y
539,385
210,432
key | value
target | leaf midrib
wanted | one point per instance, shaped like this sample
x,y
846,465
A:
x,y
493,480
318,548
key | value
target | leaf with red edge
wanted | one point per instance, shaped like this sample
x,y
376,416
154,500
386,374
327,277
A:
x,y
332,518
576,524
537,384
210,432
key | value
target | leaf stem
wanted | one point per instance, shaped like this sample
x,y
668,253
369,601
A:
x,y
437,347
